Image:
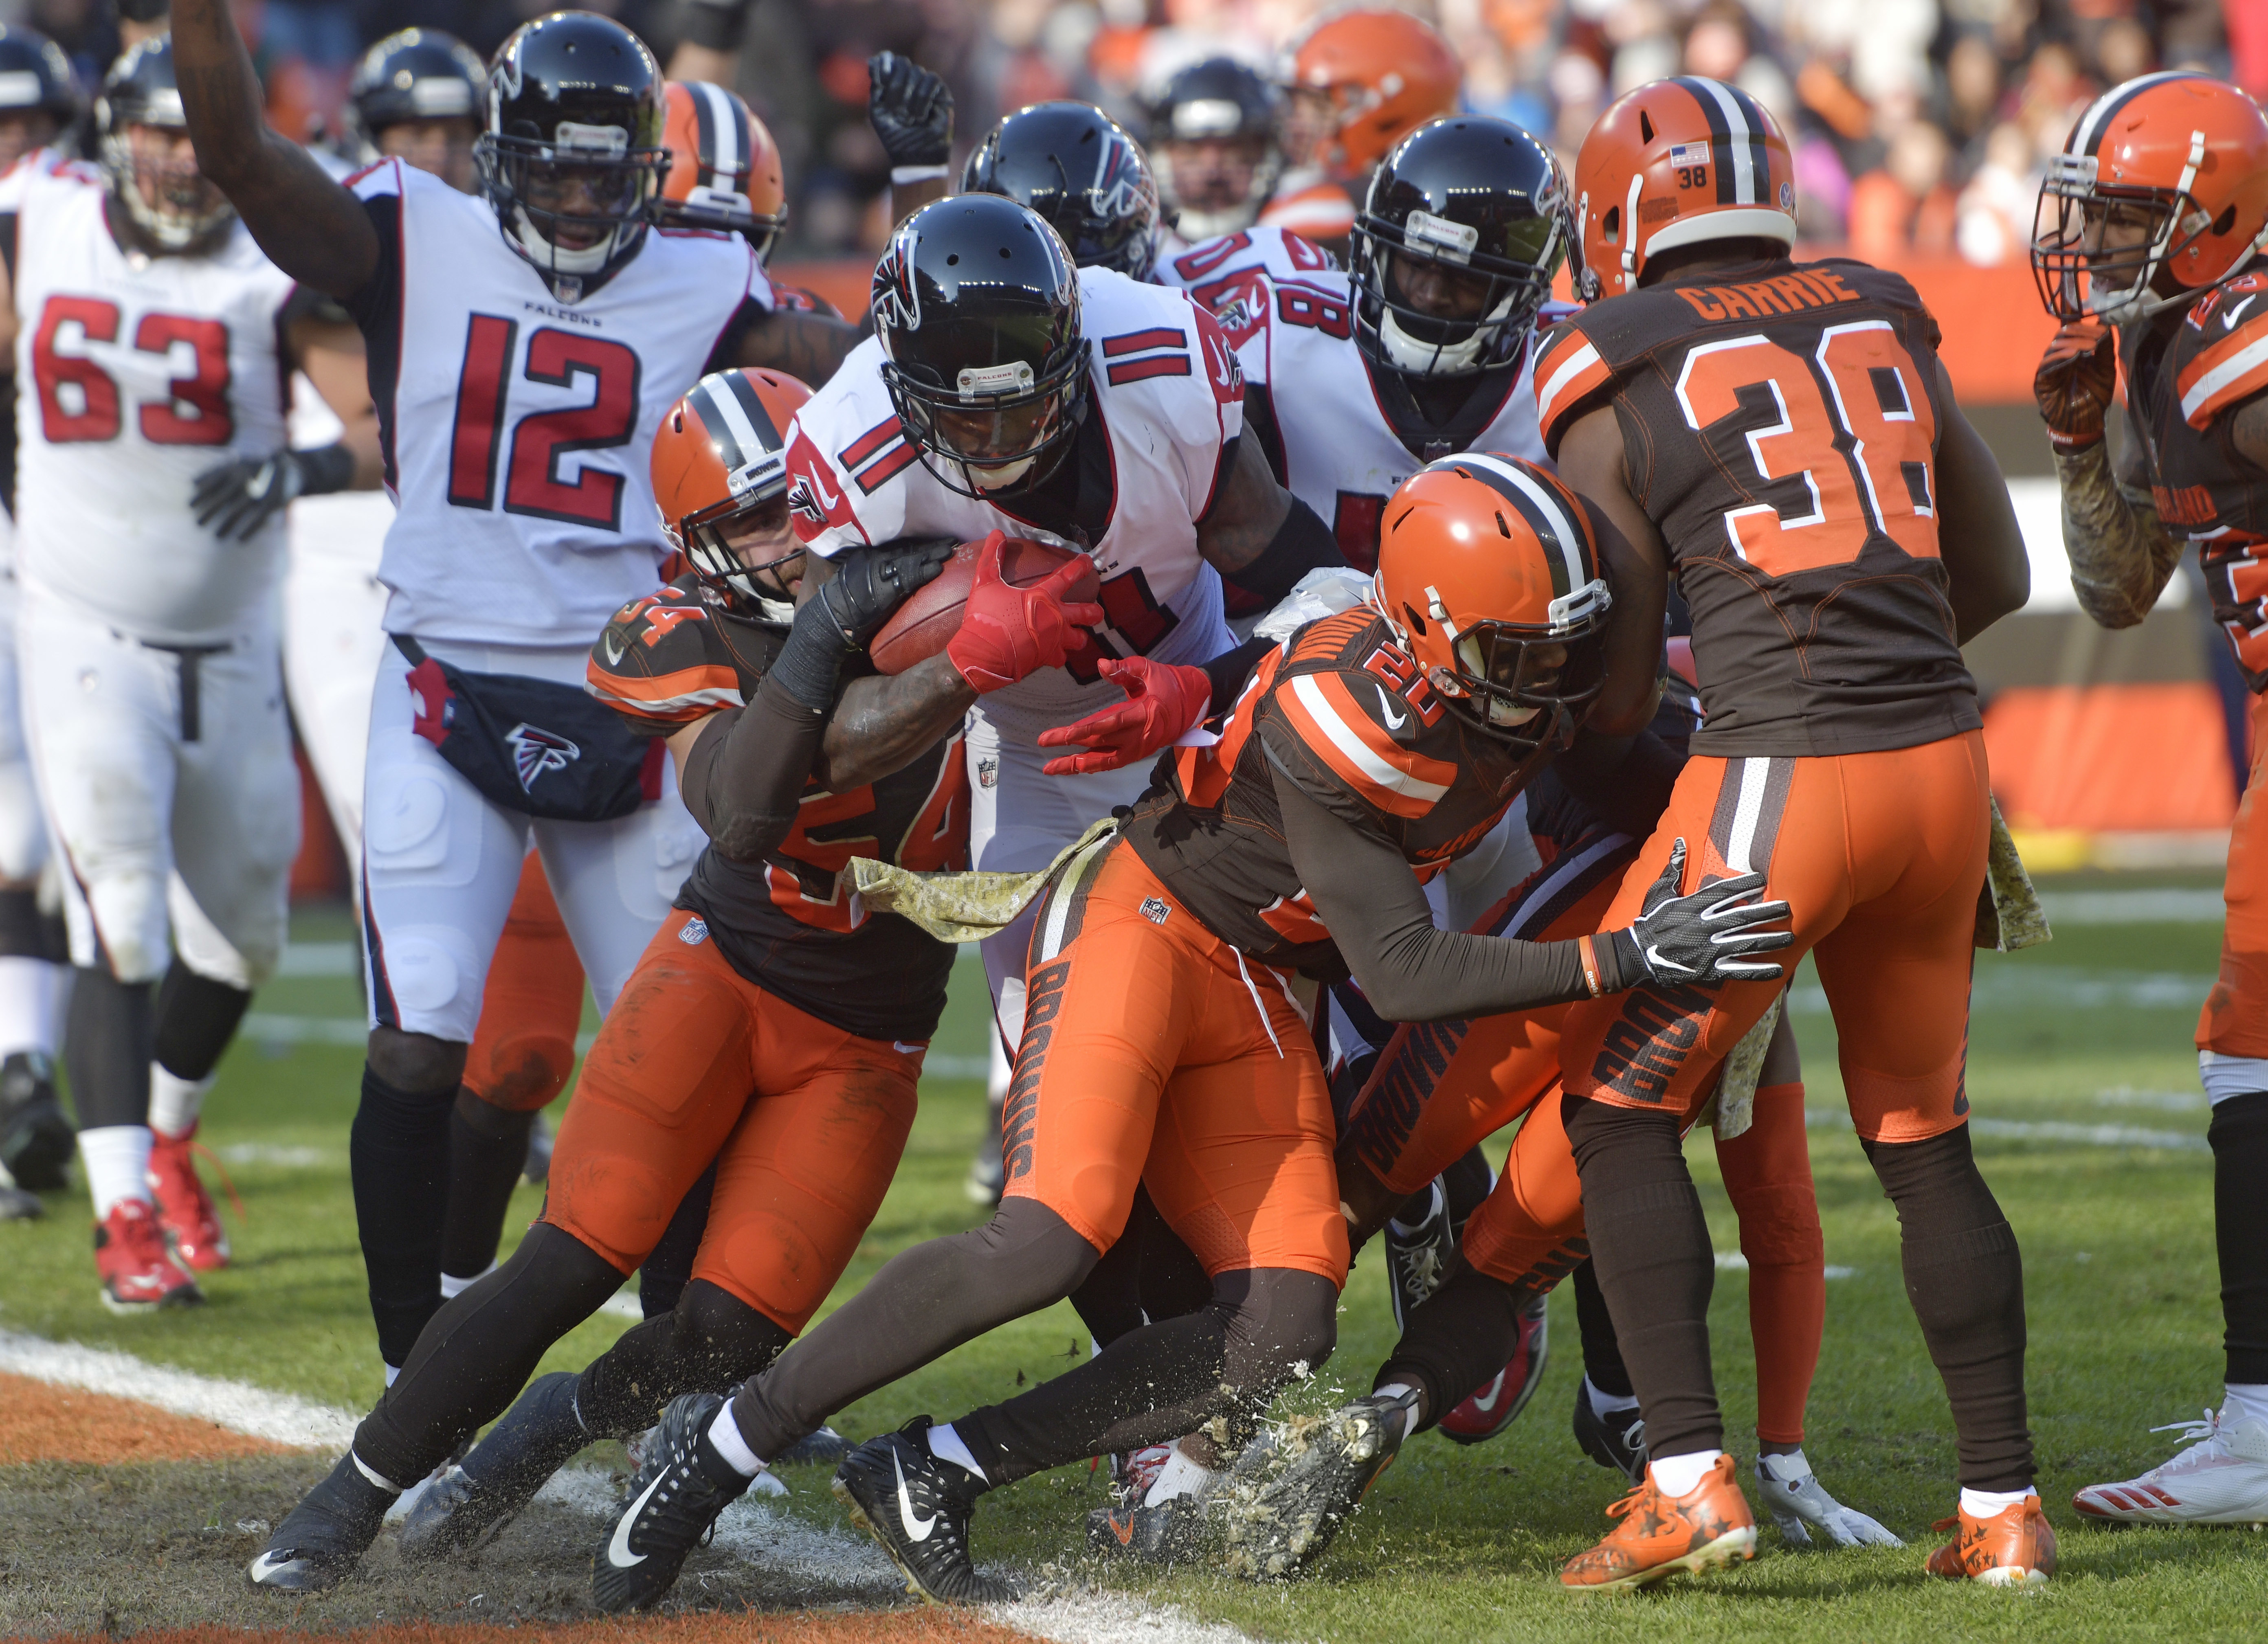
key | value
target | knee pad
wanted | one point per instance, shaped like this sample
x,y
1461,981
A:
x,y
519,1073
725,1330
427,971
129,909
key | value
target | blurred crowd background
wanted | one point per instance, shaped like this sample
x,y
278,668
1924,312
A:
x,y
1919,125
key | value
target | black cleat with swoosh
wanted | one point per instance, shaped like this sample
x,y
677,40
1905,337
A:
x,y
319,1541
675,1499
919,1507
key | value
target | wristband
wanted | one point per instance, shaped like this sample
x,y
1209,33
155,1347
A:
x,y
1586,950
902,175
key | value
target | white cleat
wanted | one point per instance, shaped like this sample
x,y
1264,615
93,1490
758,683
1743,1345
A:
x,y
2220,1477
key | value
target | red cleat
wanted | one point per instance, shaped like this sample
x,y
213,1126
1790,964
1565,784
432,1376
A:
x,y
1493,1406
138,1274
185,1209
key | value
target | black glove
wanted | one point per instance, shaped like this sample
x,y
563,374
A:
x,y
237,498
1702,937
869,584
911,108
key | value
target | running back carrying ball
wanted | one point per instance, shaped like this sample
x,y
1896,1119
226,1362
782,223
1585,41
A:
x,y
925,624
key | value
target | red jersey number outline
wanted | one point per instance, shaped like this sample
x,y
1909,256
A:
x,y
195,410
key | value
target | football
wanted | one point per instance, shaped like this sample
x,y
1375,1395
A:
x,y
925,624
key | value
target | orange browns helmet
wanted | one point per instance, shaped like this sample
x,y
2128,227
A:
x,y
724,166
2189,150
1677,163
720,462
1486,563
1385,72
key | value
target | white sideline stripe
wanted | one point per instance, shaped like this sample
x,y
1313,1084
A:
x,y
2063,987
2133,907
241,1407
1732,1261
2045,1130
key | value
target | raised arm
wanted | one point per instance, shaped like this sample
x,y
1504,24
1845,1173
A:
x,y
312,229
2121,557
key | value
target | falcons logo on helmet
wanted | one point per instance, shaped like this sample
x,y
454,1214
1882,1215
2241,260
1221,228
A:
x,y
897,303
1118,188
536,751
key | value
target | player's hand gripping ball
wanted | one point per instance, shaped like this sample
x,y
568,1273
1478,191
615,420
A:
x,y
1001,608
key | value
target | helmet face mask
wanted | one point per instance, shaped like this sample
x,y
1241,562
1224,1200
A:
x,y
1359,81
39,93
987,370
1214,147
416,96
744,548
168,206
1086,179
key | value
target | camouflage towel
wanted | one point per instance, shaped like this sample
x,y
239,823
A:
x,y
2009,914
1733,1108
962,906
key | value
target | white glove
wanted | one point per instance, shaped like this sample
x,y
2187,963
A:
x,y
1800,1505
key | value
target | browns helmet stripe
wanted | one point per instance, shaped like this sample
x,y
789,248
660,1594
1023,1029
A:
x,y
736,423
1546,515
1736,129
2095,124
724,136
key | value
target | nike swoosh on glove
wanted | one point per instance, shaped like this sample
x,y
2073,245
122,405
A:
x,y
1008,634
2077,379
910,110
1163,700
1706,935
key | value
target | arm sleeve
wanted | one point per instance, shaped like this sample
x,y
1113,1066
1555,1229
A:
x,y
2121,556
747,773
1376,911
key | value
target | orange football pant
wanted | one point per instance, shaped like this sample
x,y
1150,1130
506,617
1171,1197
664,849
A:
x,y
1155,1053
695,1063
1881,857
2234,1021
524,1049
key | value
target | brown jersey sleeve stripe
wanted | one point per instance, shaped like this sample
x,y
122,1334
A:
x,y
2232,370
1399,781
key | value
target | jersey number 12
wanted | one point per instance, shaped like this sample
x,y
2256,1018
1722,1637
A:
x,y
533,482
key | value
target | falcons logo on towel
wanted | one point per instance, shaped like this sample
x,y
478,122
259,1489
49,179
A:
x,y
536,751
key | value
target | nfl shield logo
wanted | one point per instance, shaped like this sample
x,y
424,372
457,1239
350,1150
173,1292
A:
x,y
693,932
988,773
1154,909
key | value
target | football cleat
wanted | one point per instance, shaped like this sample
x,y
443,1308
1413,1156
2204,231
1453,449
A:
x,y
1613,1438
1489,1410
674,1498
1807,1516
1133,1471
321,1539
1170,1532
1277,1525
130,1259
36,1141
1708,1526
919,1507
185,1209
2220,1477
461,1509
1417,1258
2015,1547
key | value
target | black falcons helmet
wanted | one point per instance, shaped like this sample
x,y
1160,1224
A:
x,y
184,213
417,74
35,76
1471,195
576,96
1221,99
976,304
1076,166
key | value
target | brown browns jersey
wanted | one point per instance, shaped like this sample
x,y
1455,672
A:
x,y
2187,372
1780,426
791,924
1344,712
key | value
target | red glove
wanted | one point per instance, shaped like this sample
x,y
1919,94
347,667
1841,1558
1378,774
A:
x,y
1007,633
1163,699
2077,379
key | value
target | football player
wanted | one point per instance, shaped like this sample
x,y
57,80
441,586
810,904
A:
x,y
1782,439
771,1031
1215,148
1167,1040
524,346
1357,83
149,336
39,100
2154,220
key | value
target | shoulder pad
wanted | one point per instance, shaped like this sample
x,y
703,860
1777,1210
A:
x,y
1570,374
661,663
2221,352
1363,712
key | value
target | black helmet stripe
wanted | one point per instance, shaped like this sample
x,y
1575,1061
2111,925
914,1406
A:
x,y
1544,512
722,135
1736,130
2087,136
738,424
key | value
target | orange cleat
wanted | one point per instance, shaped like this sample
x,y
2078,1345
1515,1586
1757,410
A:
x,y
2015,1547
185,1209
1659,1535
129,1255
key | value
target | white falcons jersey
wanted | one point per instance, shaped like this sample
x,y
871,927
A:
x,y
134,375
1340,454
1216,272
518,427
1165,396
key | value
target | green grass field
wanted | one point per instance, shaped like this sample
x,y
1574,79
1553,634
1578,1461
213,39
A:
x,y
2091,1132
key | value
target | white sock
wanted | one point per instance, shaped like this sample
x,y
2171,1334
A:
x,y
1395,1390
452,1286
28,1005
374,1476
1180,1476
1607,1403
176,1101
724,1437
117,1165
1679,1475
2245,1398
392,1372
946,1445
1985,1503
1785,1469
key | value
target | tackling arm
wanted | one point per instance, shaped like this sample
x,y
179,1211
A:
x,y
312,229
1258,535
